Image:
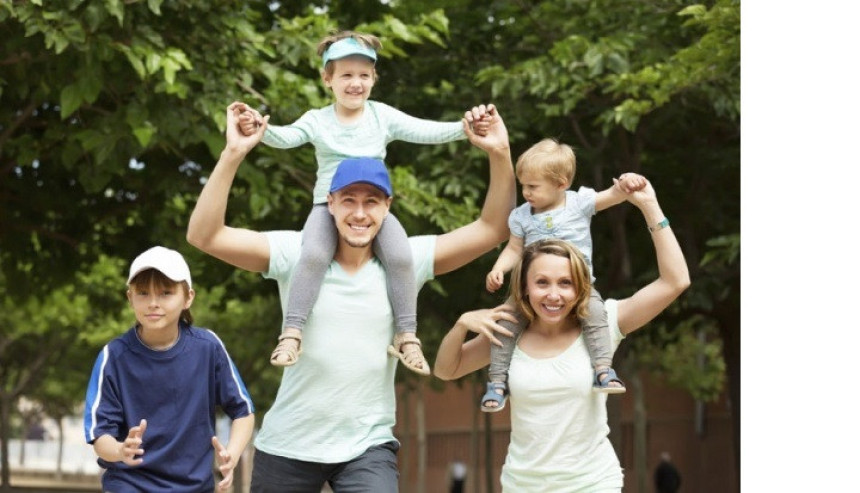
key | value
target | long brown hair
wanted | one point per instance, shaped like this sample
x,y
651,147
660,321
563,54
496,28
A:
x,y
579,272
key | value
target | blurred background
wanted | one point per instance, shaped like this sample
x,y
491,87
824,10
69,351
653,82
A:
x,y
112,115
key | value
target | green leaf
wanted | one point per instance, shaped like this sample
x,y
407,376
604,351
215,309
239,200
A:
x,y
70,100
117,9
144,134
153,62
154,6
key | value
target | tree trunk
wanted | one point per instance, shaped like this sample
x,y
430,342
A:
x,y
23,443
727,312
640,435
5,408
729,317
62,440
474,438
421,431
489,477
405,471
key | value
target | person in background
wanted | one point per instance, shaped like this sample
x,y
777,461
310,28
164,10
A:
x,y
667,478
457,472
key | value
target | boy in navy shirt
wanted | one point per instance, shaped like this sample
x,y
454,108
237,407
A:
x,y
150,405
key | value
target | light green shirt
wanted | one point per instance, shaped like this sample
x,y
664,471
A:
x,y
334,141
339,399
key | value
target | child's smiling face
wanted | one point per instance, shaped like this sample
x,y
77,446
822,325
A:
x,y
351,81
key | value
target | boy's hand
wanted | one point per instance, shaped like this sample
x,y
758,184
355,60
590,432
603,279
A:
x,y
630,182
495,280
225,464
130,448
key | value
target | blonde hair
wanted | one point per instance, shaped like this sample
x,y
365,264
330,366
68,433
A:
x,y
579,273
368,40
550,159
156,279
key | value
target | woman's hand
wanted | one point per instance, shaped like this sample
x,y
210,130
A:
x,y
485,322
644,196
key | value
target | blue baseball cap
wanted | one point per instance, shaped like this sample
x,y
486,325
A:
x,y
346,47
361,170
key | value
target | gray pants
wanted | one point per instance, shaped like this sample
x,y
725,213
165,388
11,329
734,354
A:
x,y
374,471
319,241
595,329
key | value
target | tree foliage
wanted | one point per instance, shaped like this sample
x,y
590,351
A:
x,y
112,114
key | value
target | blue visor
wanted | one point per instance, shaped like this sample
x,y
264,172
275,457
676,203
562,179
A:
x,y
347,47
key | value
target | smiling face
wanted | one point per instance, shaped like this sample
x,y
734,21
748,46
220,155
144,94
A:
x,y
550,288
351,81
158,302
552,283
358,211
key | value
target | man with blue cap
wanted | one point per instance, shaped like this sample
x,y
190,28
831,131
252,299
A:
x,y
352,126
333,416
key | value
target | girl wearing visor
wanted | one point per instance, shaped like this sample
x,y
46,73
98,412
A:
x,y
353,126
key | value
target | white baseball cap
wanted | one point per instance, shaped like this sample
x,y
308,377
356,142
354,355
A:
x,y
168,262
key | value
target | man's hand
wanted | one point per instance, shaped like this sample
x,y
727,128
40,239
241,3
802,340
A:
x,y
238,141
496,136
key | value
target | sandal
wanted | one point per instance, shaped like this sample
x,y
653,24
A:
x,y
496,392
412,358
601,385
287,352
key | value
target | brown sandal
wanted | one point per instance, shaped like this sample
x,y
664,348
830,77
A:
x,y
287,352
412,357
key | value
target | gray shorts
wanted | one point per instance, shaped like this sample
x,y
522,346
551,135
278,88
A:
x,y
374,471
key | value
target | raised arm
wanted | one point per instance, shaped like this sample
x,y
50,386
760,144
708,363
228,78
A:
x,y
459,247
649,301
207,229
622,186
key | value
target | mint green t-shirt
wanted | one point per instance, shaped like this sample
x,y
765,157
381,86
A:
x,y
339,399
334,141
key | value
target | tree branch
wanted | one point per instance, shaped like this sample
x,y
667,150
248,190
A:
x,y
22,116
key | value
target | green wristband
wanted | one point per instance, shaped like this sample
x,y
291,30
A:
x,y
657,227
